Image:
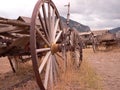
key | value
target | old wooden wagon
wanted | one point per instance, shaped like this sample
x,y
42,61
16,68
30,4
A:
x,y
106,39
88,39
43,40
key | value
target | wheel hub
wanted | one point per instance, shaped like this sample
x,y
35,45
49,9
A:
x,y
54,48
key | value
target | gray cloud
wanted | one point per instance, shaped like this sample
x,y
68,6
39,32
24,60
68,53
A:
x,y
96,13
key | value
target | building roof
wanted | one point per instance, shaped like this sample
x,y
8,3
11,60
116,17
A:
x,y
99,32
24,19
27,20
85,33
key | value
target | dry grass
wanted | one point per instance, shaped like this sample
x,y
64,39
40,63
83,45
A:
x,y
89,77
10,79
83,78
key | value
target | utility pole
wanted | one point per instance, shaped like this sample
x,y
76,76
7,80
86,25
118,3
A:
x,y
68,14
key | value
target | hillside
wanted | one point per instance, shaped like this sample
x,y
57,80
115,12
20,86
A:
x,y
80,27
114,30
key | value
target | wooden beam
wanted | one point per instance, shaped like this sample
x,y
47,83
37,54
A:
x,y
9,28
14,22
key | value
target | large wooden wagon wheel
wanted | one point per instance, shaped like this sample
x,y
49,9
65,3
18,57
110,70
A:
x,y
45,25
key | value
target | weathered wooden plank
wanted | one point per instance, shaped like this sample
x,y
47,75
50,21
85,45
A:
x,y
9,35
14,22
8,29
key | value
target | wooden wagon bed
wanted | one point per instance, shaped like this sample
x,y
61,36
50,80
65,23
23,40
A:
x,y
14,36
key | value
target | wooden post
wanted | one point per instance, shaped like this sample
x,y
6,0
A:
x,y
68,14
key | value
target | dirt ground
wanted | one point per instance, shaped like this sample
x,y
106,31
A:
x,y
105,63
4,65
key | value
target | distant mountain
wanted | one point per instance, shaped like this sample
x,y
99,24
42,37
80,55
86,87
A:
x,y
78,26
114,30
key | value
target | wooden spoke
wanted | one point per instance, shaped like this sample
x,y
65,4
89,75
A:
x,y
53,23
42,50
46,41
53,17
55,29
64,58
47,73
43,27
77,58
58,36
49,18
45,17
41,21
51,72
44,62
55,71
56,65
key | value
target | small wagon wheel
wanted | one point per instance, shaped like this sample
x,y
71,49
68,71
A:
x,y
46,25
94,43
94,46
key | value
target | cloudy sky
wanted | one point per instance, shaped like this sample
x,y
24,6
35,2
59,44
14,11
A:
x,y
97,14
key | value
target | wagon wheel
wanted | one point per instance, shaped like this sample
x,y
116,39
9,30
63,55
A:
x,y
94,42
94,45
76,49
50,31
13,62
